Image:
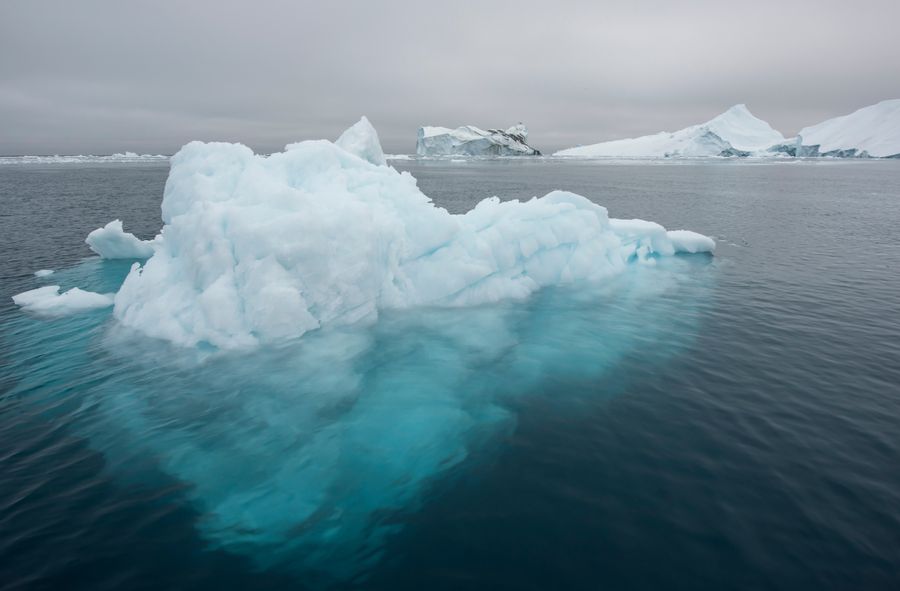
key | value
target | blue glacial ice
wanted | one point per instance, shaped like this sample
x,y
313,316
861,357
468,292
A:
x,y
307,455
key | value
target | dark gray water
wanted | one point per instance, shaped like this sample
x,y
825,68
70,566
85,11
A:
x,y
726,423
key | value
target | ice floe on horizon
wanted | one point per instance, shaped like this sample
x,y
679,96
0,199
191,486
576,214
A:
x,y
125,157
870,132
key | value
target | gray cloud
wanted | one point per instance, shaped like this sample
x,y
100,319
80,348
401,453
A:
x,y
91,76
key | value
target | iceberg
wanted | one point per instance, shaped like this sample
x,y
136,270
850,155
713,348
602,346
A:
x,y
258,249
43,273
870,132
113,242
469,140
736,132
47,301
309,456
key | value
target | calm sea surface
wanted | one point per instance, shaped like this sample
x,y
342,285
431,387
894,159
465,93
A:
x,y
726,422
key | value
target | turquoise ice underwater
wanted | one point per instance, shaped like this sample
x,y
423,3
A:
x,y
304,453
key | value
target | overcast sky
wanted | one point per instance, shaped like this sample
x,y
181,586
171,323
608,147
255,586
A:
x,y
102,77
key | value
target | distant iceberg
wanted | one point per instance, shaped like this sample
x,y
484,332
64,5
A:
x,y
259,249
469,140
870,132
736,132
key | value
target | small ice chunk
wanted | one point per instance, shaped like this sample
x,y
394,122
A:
x,y
691,242
113,242
43,273
361,140
47,301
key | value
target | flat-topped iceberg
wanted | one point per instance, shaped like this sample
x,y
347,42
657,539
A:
x,y
469,140
870,132
263,248
736,132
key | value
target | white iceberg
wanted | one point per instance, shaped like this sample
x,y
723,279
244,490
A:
x,y
47,301
736,132
43,273
469,140
872,132
113,242
258,249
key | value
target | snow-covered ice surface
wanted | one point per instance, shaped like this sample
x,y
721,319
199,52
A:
x,y
113,242
469,140
736,132
47,301
871,131
262,249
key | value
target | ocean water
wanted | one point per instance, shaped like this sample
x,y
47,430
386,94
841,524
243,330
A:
x,y
724,422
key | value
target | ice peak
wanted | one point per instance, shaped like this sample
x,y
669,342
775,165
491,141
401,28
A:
x,y
361,139
739,108
738,112
744,130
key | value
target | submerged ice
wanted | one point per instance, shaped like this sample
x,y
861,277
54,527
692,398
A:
x,y
310,456
259,249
